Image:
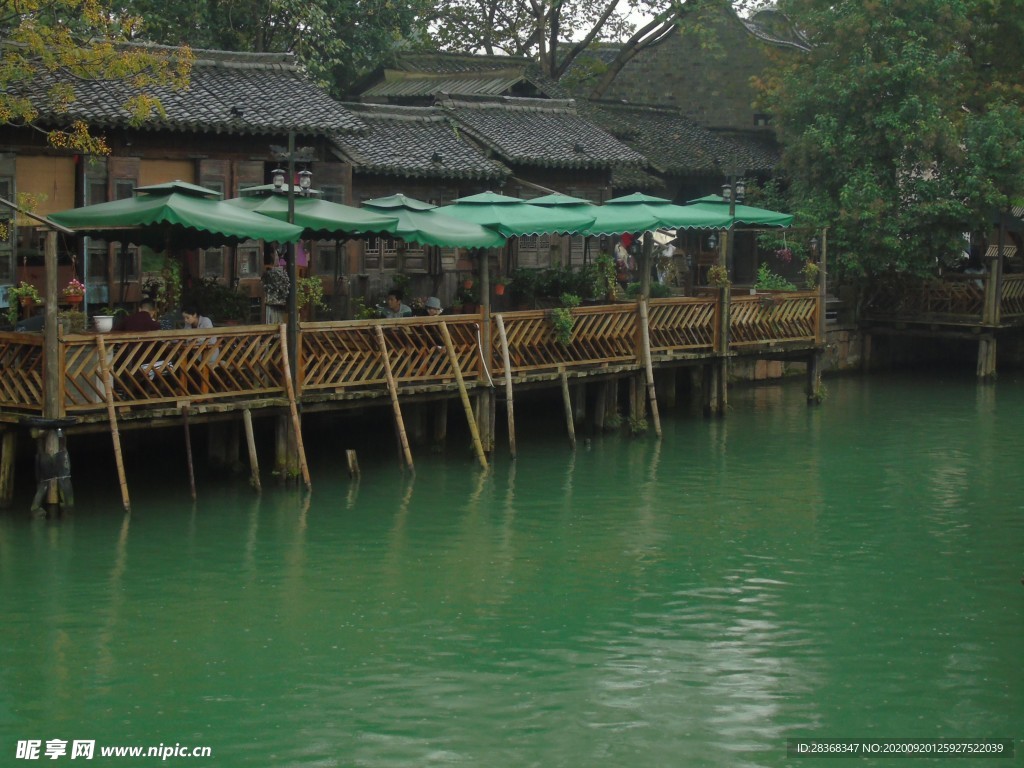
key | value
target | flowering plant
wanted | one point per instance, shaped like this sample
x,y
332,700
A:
x,y
785,255
275,285
74,288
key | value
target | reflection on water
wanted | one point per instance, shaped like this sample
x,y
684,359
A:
x,y
844,571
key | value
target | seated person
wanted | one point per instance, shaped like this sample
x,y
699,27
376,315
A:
x,y
433,306
393,305
142,320
32,324
193,319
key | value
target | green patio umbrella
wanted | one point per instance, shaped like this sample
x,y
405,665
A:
x,y
174,213
424,223
639,213
745,214
514,216
319,219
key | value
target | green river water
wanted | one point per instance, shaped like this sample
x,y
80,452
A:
x,y
851,571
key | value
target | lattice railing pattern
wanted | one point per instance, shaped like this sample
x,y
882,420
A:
x,y
682,324
21,371
955,298
1012,301
174,366
346,355
601,334
774,317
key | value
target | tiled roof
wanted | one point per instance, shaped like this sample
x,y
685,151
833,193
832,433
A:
x,y
399,85
539,132
234,93
676,145
415,142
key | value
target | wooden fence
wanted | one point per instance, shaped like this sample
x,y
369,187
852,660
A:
x,y
172,368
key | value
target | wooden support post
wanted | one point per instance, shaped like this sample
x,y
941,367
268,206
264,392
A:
x,y
507,366
485,408
188,453
600,405
393,390
108,389
8,446
353,463
712,389
666,386
814,378
567,403
987,358
645,338
612,403
293,407
417,422
579,402
281,448
463,394
440,421
216,445
250,441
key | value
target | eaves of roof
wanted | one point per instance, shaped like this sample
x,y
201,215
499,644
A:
x,y
540,132
676,145
415,142
227,93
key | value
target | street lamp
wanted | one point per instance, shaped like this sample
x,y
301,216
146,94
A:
x,y
732,192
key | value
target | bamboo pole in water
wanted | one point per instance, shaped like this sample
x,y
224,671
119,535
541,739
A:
x,y
645,337
450,347
254,464
567,402
296,424
108,388
393,390
188,452
509,408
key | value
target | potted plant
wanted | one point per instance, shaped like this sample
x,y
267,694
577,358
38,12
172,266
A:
x,y
309,291
104,321
499,286
73,292
562,320
23,294
810,271
718,276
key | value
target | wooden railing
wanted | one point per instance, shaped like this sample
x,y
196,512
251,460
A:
x,y
164,367
956,298
684,325
346,355
776,317
606,333
1011,302
169,368
21,372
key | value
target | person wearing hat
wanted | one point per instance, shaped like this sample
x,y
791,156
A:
x,y
433,306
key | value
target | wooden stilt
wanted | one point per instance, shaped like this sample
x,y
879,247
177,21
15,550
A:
x,y
440,421
987,358
353,463
645,339
507,366
281,431
188,452
393,389
579,402
814,379
600,405
667,387
8,446
567,403
108,388
463,394
293,407
250,441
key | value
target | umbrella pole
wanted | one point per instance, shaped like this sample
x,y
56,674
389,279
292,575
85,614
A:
x,y
188,453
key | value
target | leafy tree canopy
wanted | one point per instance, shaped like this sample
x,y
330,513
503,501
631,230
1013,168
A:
x,y
902,128
48,45
335,39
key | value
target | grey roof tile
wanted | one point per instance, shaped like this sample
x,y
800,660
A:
x,y
414,142
676,145
233,93
540,132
